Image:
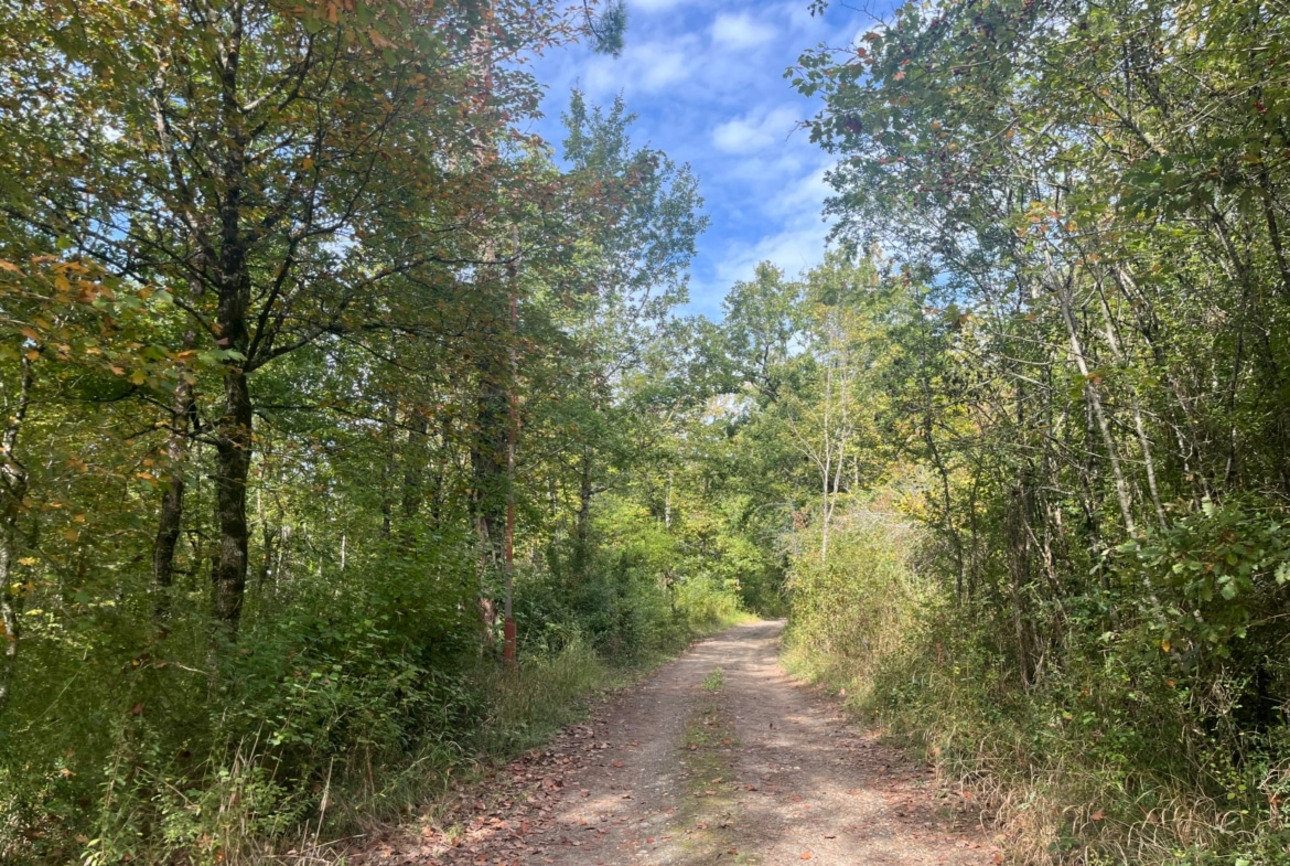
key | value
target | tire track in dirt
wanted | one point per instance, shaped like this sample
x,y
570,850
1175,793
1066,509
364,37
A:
x,y
745,766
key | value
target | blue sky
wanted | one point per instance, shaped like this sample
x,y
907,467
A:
x,y
706,79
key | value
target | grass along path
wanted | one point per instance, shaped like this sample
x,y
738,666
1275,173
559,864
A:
x,y
719,757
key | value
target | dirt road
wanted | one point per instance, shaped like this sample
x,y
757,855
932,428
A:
x,y
719,757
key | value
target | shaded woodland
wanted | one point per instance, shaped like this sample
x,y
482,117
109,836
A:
x,y
316,369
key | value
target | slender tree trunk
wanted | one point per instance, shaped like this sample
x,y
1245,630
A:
x,y
488,464
488,470
826,511
13,489
170,518
582,529
387,469
956,541
415,465
1093,392
1274,230
10,598
1135,405
269,537
667,503
439,490
1185,426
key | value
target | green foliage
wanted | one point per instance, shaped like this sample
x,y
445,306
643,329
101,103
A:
x,y
714,681
857,607
1214,574
1072,767
265,318
1081,209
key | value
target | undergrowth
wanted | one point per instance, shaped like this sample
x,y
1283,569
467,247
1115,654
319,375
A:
x,y
322,724
1110,753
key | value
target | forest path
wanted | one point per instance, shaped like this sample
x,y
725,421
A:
x,y
718,757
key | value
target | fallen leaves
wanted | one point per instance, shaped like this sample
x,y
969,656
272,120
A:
x,y
537,810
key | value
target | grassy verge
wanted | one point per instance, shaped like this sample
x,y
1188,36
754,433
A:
x,y
1107,758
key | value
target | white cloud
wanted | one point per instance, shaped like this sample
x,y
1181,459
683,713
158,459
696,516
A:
x,y
807,194
706,79
795,247
793,237
651,6
757,130
647,67
741,31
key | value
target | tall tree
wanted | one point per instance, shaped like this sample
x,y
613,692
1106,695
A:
x,y
253,157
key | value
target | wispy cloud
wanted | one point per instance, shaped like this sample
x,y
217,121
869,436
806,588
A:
x,y
756,130
645,67
652,6
706,79
740,30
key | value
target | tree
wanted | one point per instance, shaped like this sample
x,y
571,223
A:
x,y
631,271
281,171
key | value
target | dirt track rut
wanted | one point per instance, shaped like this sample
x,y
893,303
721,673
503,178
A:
x,y
718,757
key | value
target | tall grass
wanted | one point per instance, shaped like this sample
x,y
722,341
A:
x,y
1104,758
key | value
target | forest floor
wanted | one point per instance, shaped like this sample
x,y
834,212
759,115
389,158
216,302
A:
x,y
718,757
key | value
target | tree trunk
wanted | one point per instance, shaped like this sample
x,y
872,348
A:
x,y
582,530
233,433
13,490
387,468
488,465
1093,391
825,472
233,465
488,470
170,519
10,598
947,504
667,503
415,465
1144,441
